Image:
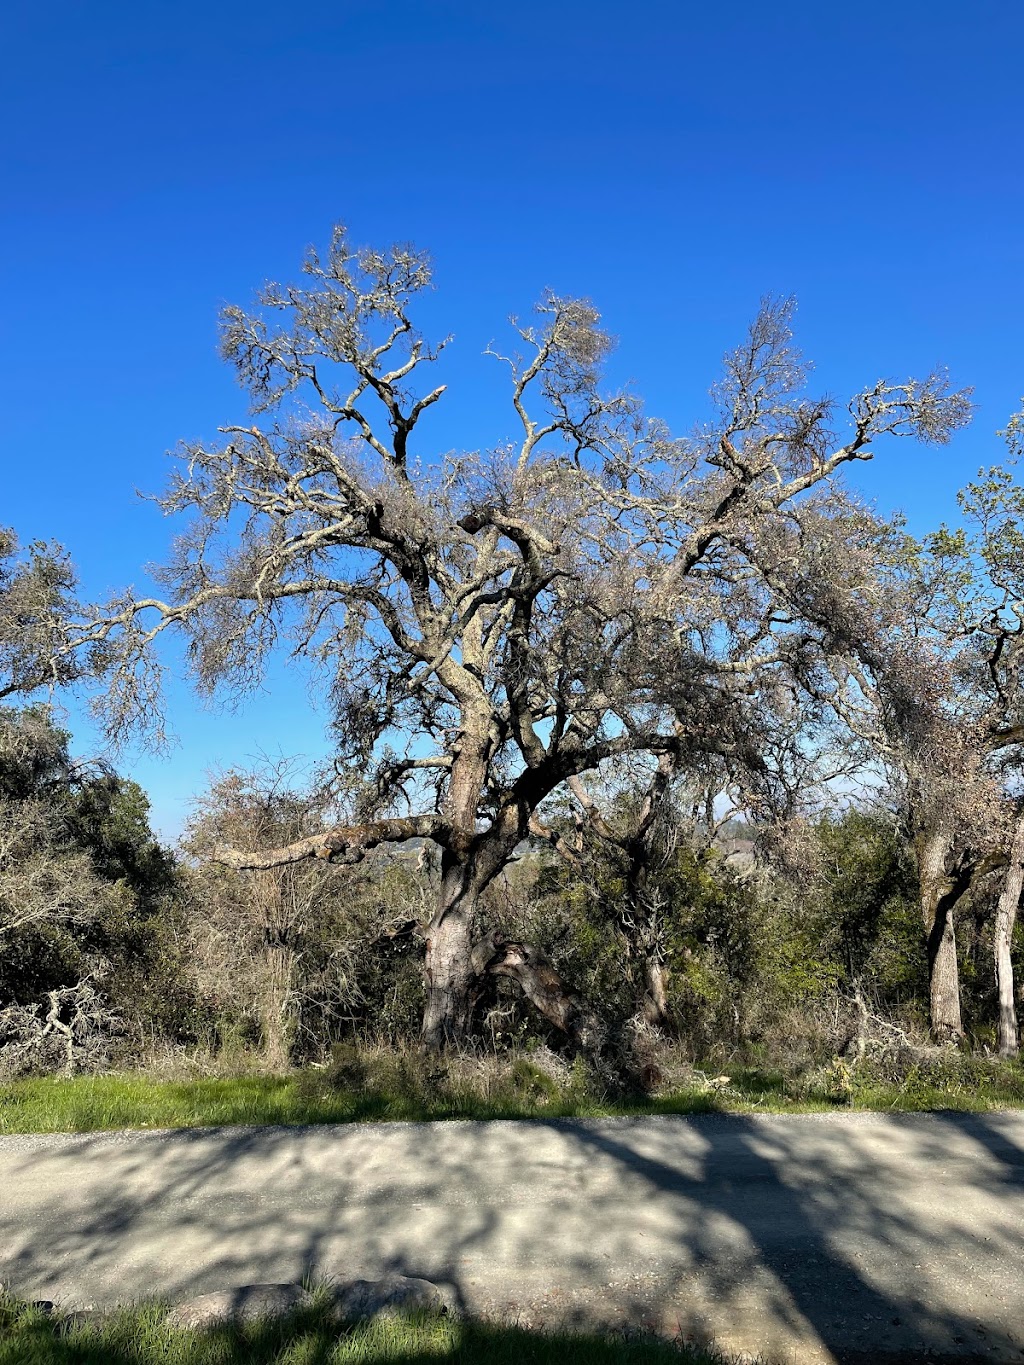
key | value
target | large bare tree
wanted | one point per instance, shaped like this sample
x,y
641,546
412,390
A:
x,y
489,625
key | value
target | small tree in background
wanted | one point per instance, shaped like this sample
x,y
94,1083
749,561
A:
x,y
917,647
250,928
298,954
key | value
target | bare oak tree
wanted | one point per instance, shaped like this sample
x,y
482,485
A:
x,y
494,624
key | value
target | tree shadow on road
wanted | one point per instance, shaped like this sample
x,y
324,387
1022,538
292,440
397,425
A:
x,y
792,1232
830,1226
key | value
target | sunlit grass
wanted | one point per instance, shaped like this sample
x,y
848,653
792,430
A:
x,y
89,1103
379,1086
140,1336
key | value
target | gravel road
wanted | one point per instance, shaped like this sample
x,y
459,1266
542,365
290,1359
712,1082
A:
x,y
806,1238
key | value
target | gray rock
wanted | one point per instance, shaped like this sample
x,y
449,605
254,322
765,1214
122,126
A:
x,y
360,1299
246,1303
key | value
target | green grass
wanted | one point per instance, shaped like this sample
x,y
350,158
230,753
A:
x,y
977,1086
83,1104
88,1103
139,1336
379,1085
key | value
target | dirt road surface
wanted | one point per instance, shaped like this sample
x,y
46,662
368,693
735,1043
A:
x,y
805,1238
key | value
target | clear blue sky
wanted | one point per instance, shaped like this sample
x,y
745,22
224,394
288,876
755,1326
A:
x,y
674,161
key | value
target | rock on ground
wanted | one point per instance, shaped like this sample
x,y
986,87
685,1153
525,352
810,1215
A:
x,y
393,1294
245,1303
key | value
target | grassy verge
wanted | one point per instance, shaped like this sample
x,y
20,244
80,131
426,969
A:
x,y
140,1337
89,1103
387,1086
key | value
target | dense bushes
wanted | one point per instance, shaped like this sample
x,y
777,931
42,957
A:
x,y
750,950
114,950
89,915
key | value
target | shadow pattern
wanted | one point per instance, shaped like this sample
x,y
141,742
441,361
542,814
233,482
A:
x,y
839,1238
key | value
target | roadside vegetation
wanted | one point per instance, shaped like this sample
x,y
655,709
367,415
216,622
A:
x,y
155,989
383,1084
140,1337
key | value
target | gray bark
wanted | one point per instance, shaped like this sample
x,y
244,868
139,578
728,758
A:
x,y
940,893
944,982
655,1009
542,986
448,968
1006,915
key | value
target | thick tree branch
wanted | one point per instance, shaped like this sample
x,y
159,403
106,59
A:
x,y
342,843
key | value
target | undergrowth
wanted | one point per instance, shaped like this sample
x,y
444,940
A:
x,y
379,1084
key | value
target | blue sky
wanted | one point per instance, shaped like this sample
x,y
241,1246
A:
x,y
674,161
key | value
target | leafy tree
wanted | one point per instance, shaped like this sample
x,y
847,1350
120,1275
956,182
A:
x,y
865,925
974,601
45,636
50,895
109,815
86,892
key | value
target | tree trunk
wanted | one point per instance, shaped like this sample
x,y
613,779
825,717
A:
x,y
469,863
655,1008
944,982
449,974
449,978
939,894
275,1012
1006,915
651,845
455,968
